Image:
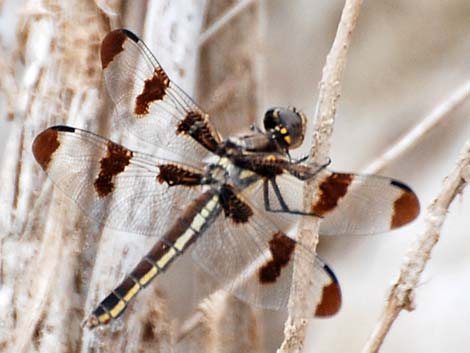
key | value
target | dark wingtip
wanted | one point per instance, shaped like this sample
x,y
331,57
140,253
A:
x,y
400,185
330,273
112,45
331,297
63,128
131,35
406,207
44,146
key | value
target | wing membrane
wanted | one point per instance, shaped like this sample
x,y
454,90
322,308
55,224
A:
x,y
148,103
349,203
254,260
113,185
363,204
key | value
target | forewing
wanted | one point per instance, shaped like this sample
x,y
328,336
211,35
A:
x,y
348,203
113,185
362,204
254,260
148,103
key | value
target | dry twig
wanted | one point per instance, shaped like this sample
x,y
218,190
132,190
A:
x,y
47,248
301,306
420,130
233,88
222,22
401,294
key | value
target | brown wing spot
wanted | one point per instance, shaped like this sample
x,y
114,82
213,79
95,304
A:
x,y
111,46
331,296
330,301
282,248
154,90
44,146
195,125
405,209
115,162
332,189
234,207
175,175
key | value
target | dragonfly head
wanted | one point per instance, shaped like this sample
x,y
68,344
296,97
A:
x,y
286,126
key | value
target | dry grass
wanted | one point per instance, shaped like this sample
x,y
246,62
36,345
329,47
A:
x,y
405,57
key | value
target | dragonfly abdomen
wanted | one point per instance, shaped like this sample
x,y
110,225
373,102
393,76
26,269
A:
x,y
197,217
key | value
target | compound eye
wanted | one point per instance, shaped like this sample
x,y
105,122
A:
x,y
271,119
287,126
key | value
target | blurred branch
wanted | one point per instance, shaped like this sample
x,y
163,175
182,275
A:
x,y
302,306
221,324
40,258
8,85
417,133
402,292
48,250
224,20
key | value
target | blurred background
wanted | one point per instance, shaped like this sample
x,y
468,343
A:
x,y
405,59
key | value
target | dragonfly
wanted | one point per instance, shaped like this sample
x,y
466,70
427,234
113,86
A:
x,y
237,197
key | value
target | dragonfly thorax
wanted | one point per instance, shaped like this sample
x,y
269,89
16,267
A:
x,y
219,171
224,171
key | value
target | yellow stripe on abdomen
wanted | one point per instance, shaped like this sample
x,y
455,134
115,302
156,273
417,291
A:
x,y
147,277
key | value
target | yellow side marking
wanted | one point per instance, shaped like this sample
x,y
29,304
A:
x,y
148,276
196,225
283,131
288,139
104,318
223,161
210,206
183,239
204,213
198,222
271,158
133,291
166,258
118,308
246,174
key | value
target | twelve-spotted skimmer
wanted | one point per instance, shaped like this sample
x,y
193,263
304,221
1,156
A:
x,y
239,196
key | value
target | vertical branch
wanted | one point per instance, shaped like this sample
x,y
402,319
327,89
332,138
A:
x,y
402,292
222,325
230,71
301,305
41,270
170,30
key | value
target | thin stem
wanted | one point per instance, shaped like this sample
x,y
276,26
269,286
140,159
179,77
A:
x,y
302,306
224,20
402,292
420,130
